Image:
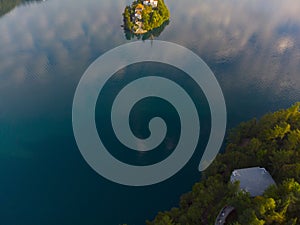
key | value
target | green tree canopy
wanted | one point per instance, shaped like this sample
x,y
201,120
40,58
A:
x,y
273,142
152,18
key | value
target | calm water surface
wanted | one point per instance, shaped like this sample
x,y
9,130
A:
x,y
252,46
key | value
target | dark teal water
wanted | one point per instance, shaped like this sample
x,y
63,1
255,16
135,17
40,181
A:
x,y
252,46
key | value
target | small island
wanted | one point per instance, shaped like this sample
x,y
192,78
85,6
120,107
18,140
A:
x,y
144,16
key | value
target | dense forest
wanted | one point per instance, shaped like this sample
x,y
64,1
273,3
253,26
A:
x,y
150,19
7,5
272,142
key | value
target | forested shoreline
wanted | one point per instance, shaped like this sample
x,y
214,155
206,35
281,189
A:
x,y
272,142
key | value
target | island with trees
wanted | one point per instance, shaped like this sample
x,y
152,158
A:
x,y
145,17
273,143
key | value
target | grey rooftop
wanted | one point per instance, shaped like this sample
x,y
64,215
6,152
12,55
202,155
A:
x,y
254,180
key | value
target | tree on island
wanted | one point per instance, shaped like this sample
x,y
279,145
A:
x,y
141,18
273,142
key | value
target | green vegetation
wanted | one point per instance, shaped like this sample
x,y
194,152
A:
x,y
148,35
128,23
273,142
140,18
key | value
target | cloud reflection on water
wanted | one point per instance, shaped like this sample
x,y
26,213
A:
x,y
46,47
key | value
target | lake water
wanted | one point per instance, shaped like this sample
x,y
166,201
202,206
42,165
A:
x,y
252,46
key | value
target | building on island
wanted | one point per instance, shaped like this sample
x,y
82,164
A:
x,y
139,8
138,11
155,17
254,180
138,15
153,3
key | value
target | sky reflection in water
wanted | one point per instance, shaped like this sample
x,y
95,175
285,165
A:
x,y
252,46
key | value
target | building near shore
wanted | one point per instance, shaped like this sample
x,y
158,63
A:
x,y
254,180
